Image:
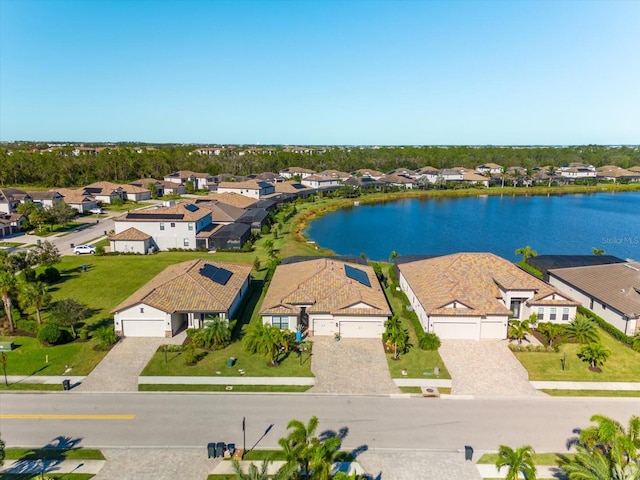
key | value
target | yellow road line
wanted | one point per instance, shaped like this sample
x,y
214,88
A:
x,y
35,416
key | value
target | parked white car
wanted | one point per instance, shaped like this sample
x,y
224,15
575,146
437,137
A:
x,y
84,249
96,211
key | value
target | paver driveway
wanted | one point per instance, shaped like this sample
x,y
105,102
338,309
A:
x,y
351,366
485,368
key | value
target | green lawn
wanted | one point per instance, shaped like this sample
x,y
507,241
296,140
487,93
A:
x,y
546,459
622,366
53,454
223,388
31,358
416,361
52,476
592,393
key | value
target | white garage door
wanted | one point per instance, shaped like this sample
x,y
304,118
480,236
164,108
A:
x,y
324,327
493,330
361,329
455,330
143,328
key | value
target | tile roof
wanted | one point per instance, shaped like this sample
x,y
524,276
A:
x,y
156,214
75,196
324,286
289,187
231,198
617,284
248,184
103,187
130,234
295,170
222,212
184,288
473,280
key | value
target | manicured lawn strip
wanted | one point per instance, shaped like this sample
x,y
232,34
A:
x,y
216,361
622,366
223,388
592,393
278,455
30,357
19,386
10,244
416,361
546,459
53,454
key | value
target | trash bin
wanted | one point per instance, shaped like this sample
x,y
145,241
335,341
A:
x,y
220,447
231,362
468,452
66,384
71,245
211,450
231,448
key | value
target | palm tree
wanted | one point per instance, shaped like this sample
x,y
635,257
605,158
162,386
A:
x,y
324,455
36,295
551,172
298,444
217,332
399,338
7,284
518,330
519,461
586,465
608,431
551,331
598,251
526,252
393,255
262,473
594,354
263,339
583,330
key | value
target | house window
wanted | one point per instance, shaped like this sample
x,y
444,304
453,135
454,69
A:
x,y
190,226
565,314
161,225
515,307
552,316
281,322
173,225
540,313
186,242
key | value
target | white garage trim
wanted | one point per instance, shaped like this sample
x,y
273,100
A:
x,y
143,328
361,329
456,330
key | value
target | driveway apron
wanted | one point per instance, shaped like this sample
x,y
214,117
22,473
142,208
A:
x,y
351,366
485,368
119,369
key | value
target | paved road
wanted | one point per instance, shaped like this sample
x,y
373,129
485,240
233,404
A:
x,y
195,419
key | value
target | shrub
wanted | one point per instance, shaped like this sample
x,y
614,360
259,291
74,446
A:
x,y
117,202
190,354
50,275
30,326
106,337
100,250
428,341
49,334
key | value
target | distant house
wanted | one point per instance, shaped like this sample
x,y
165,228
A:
x,y
187,294
610,291
368,173
161,187
135,193
400,181
617,174
474,295
256,218
489,169
234,199
46,199
326,297
294,189
576,171
169,227
474,178
251,188
105,192
10,223
327,178
10,198
79,199
296,172
221,213
200,180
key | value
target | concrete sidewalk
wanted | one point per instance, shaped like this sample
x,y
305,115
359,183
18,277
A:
x,y
490,471
52,466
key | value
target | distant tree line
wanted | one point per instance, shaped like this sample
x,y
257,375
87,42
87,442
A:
x,y
25,165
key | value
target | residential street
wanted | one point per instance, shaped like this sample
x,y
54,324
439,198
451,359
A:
x,y
193,419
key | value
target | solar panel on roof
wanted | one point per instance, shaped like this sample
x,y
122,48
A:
x,y
357,275
191,207
218,275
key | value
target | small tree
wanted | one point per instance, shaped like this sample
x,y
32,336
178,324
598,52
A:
x,y
583,330
263,339
36,295
598,251
518,330
216,333
519,461
45,254
69,312
526,252
7,284
429,341
595,354
105,336
256,264
49,334
551,331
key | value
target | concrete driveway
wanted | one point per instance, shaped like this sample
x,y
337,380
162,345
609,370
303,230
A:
x,y
351,366
485,368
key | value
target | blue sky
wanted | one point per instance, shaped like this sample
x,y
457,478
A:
x,y
321,72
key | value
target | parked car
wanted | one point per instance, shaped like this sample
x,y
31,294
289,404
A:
x,y
96,211
84,249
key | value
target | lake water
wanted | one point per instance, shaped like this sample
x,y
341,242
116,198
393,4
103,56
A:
x,y
560,224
